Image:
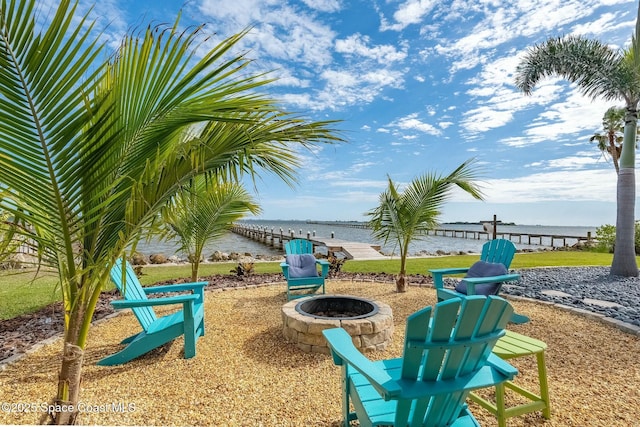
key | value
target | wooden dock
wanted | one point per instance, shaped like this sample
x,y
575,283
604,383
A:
x,y
528,238
554,240
277,239
359,250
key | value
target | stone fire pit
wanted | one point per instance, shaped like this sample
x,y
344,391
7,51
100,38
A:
x,y
370,323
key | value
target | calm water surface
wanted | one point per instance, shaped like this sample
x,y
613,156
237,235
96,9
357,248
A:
x,y
235,243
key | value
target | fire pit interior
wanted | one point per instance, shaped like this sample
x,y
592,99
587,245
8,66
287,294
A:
x,y
370,323
329,307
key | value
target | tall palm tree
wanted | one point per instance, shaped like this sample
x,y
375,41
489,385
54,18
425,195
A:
x,y
204,211
88,154
610,140
600,72
404,216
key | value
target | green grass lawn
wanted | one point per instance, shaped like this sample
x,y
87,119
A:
x,y
21,293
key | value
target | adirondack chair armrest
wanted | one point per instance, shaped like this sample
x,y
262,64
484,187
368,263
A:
x,y
486,376
343,351
178,299
448,271
493,279
472,281
285,269
324,264
502,366
439,273
179,287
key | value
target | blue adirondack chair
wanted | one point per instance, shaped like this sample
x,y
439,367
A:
x,y
300,269
485,277
447,354
157,331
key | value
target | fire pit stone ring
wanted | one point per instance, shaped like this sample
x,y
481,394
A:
x,y
369,322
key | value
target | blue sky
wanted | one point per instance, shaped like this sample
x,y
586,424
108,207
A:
x,y
421,86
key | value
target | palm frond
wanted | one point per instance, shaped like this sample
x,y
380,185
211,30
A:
x,y
595,67
407,215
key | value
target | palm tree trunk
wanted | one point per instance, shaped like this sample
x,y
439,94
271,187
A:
x,y
624,254
401,280
70,371
195,266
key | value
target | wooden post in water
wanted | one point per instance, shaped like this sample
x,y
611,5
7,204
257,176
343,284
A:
x,y
495,227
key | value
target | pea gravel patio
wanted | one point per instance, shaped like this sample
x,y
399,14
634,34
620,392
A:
x,y
246,374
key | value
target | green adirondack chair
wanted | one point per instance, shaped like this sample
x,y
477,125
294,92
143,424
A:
x,y
447,354
157,331
300,269
485,277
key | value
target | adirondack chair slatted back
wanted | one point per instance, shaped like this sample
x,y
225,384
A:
x,y
131,289
498,250
298,246
452,340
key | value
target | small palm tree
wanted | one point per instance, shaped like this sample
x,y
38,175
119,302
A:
x,y
205,210
88,153
610,140
600,72
404,216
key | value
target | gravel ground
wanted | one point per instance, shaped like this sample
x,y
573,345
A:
x,y
580,283
246,374
584,283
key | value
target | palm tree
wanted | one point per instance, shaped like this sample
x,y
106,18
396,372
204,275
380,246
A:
x,y
203,211
403,216
88,154
600,72
610,141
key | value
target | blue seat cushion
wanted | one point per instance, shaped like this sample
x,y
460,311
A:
x,y
483,269
302,265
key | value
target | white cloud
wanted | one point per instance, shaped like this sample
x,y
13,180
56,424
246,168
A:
x,y
578,185
357,44
324,5
570,163
500,23
573,116
280,30
607,22
411,122
344,88
409,12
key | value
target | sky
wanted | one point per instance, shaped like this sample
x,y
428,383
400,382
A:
x,y
419,86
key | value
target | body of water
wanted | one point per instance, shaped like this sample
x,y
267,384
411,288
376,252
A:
x,y
235,243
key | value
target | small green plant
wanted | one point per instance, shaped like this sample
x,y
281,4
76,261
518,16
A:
x,y
335,264
244,268
138,270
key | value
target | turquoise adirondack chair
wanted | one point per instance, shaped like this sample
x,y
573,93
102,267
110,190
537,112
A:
x,y
447,354
300,269
485,277
157,331
298,246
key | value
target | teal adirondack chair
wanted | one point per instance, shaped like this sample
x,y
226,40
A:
x,y
157,331
298,246
485,277
300,269
447,354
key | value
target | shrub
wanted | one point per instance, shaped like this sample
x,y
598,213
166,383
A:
x,y
335,264
606,238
